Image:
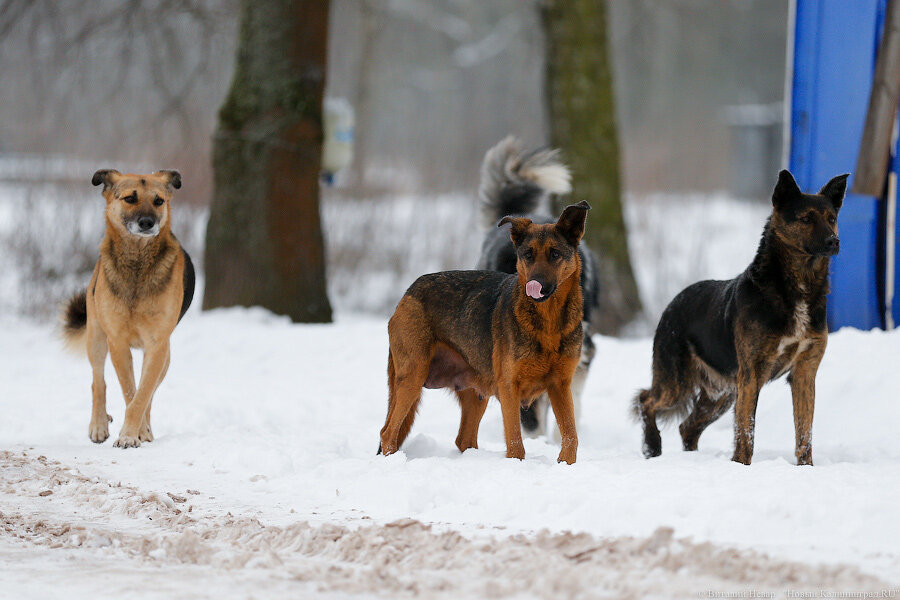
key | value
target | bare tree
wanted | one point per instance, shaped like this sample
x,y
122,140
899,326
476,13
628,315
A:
x,y
370,30
583,124
129,80
264,242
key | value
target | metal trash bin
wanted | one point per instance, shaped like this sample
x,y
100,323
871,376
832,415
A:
x,y
755,147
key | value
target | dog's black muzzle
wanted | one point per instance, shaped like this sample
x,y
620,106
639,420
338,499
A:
x,y
829,247
143,225
146,223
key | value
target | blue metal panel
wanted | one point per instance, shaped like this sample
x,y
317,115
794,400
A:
x,y
834,60
855,297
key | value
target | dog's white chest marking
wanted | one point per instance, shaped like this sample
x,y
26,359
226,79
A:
x,y
798,336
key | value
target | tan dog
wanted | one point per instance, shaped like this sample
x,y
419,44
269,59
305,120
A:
x,y
142,285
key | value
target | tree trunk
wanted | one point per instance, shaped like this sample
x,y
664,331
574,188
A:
x,y
583,124
364,105
264,242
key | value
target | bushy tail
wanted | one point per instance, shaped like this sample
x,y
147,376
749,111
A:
x,y
517,182
663,410
74,322
636,402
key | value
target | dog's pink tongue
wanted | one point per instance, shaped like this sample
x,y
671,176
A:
x,y
533,289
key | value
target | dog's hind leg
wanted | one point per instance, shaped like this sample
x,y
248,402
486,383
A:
x,y
409,361
646,405
669,396
705,412
400,418
391,375
406,425
472,406
404,394
97,350
534,417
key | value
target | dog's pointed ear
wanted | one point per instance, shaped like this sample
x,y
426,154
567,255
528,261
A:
x,y
517,229
785,190
571,222
835,189
105,176
174,177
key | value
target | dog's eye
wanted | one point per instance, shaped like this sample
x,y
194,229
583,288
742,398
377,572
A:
x,y
132,199
806,219
158,201
554,254
528,254
832,220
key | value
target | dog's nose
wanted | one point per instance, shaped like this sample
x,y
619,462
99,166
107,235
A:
x,y
146,223
833,243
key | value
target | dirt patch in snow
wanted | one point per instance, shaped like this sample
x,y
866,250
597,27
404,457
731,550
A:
x,y
46,504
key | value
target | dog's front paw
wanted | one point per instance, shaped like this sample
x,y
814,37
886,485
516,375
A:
x,y
805,460
465,443
127,441
741,457
566,457
99,431
804,454
568,451
515,451
146,434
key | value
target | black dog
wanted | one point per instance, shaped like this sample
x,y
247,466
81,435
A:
x,y
719,342
515,182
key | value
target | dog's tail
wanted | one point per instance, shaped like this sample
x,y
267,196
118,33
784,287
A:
x,y
637,402
517,182
645,402
74,323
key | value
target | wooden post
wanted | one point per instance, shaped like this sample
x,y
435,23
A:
x,y
875,148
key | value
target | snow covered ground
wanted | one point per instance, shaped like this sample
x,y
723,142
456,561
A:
x,y
262,426
263,480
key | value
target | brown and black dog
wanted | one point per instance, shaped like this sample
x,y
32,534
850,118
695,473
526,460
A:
x,y
719,342
142,285
484,333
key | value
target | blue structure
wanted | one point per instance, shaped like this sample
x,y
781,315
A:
x,y
894,307
834,52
